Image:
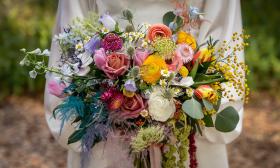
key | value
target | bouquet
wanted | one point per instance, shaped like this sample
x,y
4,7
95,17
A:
x,y
153,84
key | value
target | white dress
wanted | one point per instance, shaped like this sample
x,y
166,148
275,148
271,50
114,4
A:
x,y
224,18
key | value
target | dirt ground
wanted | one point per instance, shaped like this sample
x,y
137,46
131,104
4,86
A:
x,y
25,141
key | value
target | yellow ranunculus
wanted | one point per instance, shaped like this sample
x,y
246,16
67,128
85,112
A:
x,y
184,71
151,68
183,37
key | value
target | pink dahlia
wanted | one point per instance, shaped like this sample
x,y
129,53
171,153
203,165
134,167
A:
x,y
112,42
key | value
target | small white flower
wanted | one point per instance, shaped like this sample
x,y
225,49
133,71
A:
x,y
160,108
79,46
144,44
22,62
189,92
35,52
165,73
163,82
33,74
23,50
177,91
46,52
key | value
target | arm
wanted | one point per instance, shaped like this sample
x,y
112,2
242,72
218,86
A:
x,y
225,19
67,11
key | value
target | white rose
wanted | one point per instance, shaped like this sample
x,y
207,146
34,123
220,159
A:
x,y
160,108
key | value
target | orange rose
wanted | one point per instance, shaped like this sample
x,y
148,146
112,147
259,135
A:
x,y
158,30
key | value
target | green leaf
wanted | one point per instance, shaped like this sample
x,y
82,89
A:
x,y
193,108
207,105
76,136
170,17
227,120
208,121
194,69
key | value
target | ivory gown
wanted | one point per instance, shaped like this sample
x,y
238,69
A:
x,y
224,17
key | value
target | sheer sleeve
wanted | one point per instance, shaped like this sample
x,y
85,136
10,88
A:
x,y
67,11
224,18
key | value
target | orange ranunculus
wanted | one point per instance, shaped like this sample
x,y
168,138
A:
x,y
151,68
158,30
186,38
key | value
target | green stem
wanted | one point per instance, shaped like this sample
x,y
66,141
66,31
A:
x,y
209,81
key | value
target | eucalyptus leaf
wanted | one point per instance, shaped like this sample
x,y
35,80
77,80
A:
x,y
193,108
207,105
170,17
227,120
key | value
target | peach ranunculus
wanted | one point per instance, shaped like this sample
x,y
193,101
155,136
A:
x,y
116,64
176,63
158,30
132,106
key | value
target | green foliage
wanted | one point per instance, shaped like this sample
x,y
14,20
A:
x,y
227,120
263,54
23,24
193,108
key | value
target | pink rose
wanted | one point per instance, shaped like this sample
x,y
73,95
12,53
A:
x,y
116,65
175,64
140,57
132,106
56,88
100,58
185,52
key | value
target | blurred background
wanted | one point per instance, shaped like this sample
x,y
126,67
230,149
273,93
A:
x,y
25,140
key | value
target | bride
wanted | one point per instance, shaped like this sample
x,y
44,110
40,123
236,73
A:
x,y
223,19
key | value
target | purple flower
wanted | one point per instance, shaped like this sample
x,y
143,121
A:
x,y
112,42
130,85
93,44
107,21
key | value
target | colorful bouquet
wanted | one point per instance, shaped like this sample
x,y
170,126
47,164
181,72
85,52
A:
x,y
152,84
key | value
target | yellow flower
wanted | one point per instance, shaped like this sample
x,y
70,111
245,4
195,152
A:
x,y
151,68
184,72
183,37
128,93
